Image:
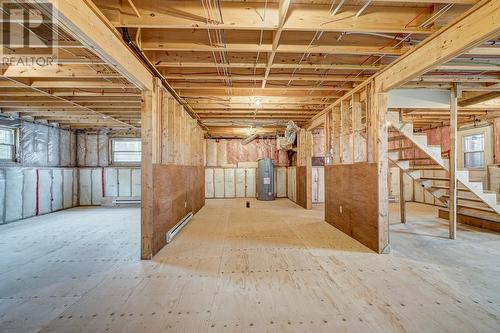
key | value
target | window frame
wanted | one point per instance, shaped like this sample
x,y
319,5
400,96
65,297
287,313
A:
x,y
465,152
15,145
112,151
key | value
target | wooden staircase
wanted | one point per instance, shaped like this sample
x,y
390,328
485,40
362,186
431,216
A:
x,y
480,199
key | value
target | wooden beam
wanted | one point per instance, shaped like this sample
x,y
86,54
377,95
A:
x,y
479,99
84,20
474,27
282,12
59,71
249,16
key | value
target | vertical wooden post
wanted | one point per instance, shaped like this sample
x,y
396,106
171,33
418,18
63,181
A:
x,y
378,153
337,132
344,132
151,154
356,128
309,145
453,163
327,132
402,202
147,176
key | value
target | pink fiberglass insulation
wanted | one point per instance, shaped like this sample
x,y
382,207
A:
x,y
233,151
318,143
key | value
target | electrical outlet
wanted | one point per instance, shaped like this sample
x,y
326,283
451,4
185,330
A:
x,y
340,209
185,204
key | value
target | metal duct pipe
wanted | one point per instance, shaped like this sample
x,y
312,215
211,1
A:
x,y
140,53
249,139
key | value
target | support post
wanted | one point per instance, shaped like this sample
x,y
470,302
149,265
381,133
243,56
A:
x,y
356,129
378,154
452,205
337,135
327,132
150,155
309,153
402,202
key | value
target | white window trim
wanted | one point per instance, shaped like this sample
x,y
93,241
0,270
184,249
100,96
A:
x,y
487,131
15,157
112,155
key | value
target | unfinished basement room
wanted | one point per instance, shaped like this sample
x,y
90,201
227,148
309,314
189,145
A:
x,y
250,166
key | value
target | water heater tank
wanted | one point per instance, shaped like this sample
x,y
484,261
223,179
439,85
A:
x,y
265,179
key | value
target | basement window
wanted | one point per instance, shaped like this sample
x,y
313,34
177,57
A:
x,y
474,151
126,150
7,144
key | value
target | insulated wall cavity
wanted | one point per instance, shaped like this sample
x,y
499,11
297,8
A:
x,y
28,192
44,191
93,149
14,197
53,147
45,145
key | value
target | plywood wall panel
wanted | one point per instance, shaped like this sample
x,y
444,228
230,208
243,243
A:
x,y
351,201
177,191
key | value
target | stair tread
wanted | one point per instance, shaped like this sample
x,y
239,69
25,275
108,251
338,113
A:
x,y
427,169
486,209
401,149
466,199
435,178
397,138
444,187
414,159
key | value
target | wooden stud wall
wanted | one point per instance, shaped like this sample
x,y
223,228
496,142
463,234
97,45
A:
x,y
355,143
172,167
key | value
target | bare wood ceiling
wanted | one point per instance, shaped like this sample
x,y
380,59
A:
x,y
237,61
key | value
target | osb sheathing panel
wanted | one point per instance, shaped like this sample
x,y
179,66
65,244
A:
x,y
351,201
177,190
301,186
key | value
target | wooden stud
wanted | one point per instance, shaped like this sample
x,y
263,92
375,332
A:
x,y
452,205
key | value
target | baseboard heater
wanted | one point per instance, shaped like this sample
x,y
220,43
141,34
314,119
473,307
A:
x,y
178,227
126,201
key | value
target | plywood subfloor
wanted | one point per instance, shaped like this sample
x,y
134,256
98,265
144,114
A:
x,y
271,268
